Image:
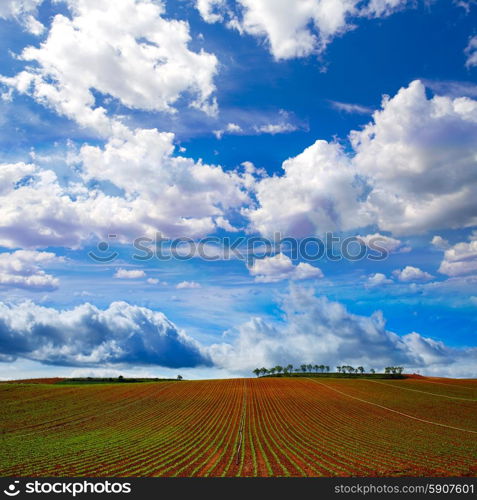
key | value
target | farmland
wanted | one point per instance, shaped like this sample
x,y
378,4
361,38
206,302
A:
x,y
240,427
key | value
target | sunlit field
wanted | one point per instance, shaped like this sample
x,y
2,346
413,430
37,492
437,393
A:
x,y
240,427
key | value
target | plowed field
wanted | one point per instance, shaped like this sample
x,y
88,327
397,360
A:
x,y
241,427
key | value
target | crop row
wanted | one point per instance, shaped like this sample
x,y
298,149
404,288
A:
x,y
322,433
175,430
242,427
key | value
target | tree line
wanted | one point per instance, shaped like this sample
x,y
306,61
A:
x,y
310,368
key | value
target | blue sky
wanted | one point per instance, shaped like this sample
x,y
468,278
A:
x,y
237,119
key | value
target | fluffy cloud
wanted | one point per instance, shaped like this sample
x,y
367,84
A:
x,y
23,11
391,245
34,26
280,267
21,269
17,8
440,243
125,50
461,258
392,180
378,279
294,28
411,145
176,189
13,173
318,330
211,10
158,192
132,274
233,128
230,128
88,336
155,281
411,274
39,212
318,192
471,52
314,329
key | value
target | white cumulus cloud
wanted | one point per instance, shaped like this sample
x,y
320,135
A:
x,y
378,279
230,128
461,258
387,243
22,269
411,145
129,52
129,274
88,336
393,179
317,192
175,190
294,28
17,8
210,10
317,330
411,274
126,50
440,243
280,267
159,192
